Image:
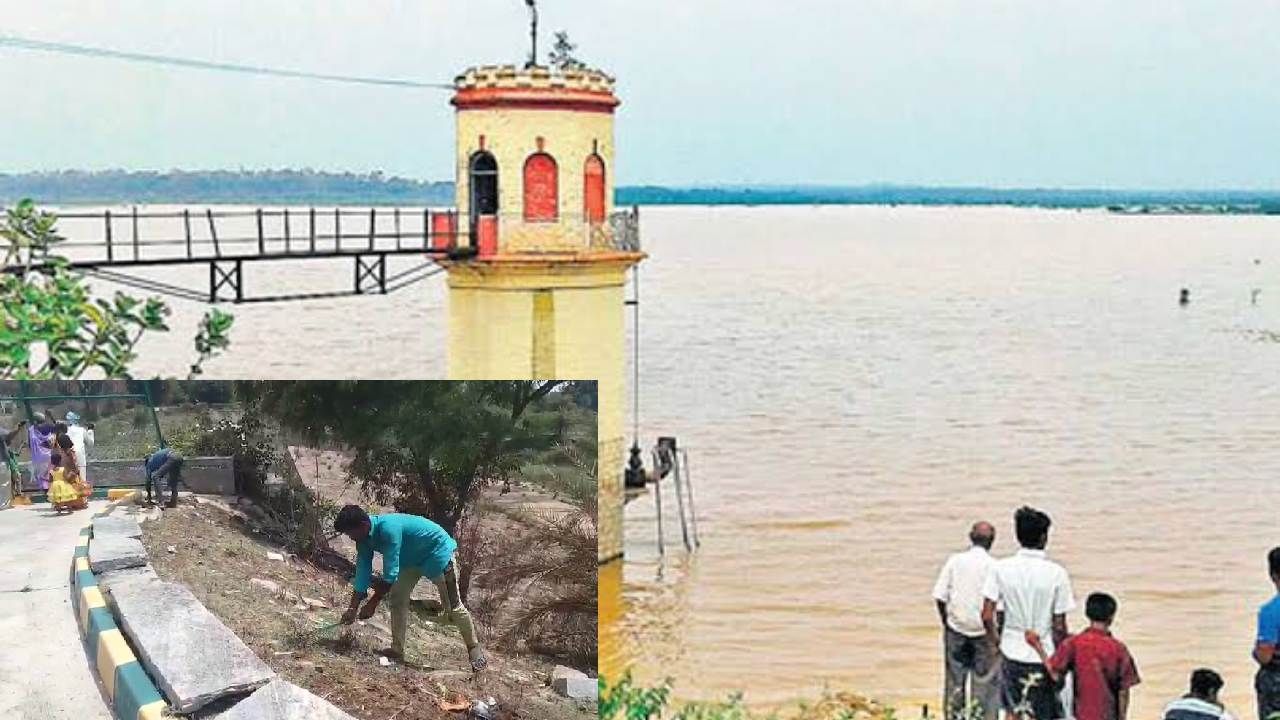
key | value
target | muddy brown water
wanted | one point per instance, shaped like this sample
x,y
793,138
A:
x,y
857,385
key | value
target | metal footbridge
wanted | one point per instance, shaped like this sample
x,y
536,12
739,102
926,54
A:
x,y
109,244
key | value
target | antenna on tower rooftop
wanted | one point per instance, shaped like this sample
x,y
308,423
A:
x,y
533,34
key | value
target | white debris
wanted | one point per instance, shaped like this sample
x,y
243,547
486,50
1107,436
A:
x,y
383,661
275,556
268,585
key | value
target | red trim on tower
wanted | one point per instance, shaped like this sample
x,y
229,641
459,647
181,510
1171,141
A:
x,y
535,99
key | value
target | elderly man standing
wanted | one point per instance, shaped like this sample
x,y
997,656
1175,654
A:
x,y
969,661
82,439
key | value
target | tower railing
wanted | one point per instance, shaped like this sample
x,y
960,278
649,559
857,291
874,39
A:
x,y
625,225
619,231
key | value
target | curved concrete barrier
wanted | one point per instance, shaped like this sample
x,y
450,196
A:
x,y
218,671
130,689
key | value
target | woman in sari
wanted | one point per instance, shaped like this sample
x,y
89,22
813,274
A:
x,y
63,494
39,438
71,467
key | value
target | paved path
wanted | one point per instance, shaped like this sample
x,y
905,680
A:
x,y
45,673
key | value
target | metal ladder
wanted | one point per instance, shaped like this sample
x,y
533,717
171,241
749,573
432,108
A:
x,y
678,461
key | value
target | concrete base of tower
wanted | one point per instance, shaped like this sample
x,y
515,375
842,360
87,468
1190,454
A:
x,y
538,316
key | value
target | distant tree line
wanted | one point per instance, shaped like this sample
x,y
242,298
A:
x,y
221,186
1226,201
310,187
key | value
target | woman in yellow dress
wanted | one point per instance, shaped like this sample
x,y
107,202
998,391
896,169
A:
x,y
71,464
64,495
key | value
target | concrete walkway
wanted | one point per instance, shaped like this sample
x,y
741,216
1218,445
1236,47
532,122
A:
x,y
44,669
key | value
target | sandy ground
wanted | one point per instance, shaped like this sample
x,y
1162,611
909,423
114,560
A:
x,y
218,556
45,671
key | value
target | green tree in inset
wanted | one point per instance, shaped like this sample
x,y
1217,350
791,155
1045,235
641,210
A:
x,y
427,448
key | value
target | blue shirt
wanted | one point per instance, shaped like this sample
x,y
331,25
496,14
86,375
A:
x,y
156,459
403,540
1269,622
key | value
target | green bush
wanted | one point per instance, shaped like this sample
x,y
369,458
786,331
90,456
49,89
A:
x,y
628,701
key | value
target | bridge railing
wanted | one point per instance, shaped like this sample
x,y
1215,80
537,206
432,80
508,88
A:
x,y
133,236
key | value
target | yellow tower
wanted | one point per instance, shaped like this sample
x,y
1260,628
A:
x,y
542,296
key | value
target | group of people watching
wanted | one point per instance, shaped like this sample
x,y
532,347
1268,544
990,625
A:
x,y
59,458
1007,646
59,462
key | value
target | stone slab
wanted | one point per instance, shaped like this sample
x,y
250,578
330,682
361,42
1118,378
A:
x,y
116,525
215,475
193,657
120,578
577,688
561,671
282,700
115,552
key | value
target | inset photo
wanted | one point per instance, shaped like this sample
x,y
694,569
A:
x,y
347,549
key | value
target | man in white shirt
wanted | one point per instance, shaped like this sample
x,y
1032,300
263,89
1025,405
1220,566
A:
x,y
967,656
1035,593
81,441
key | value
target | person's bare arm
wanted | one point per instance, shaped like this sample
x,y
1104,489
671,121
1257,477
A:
x,y
942,612
1122,708
353,607
989,622
1033,639
1264,653
1059,628
380,590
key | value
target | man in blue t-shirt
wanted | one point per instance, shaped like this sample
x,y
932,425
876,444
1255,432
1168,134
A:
x,y
411,547
165,463
1267,681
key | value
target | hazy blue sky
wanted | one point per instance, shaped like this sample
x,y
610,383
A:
x,y
1100,93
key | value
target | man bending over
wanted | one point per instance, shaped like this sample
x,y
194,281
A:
x,y
411,547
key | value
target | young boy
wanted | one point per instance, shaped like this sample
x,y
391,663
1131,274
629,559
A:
x,y
1202,702
1103,668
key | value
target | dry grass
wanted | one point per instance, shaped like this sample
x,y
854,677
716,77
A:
x,y
217,556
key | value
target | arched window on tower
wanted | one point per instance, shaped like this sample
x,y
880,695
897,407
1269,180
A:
x,y
593,191
541,189
484,202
